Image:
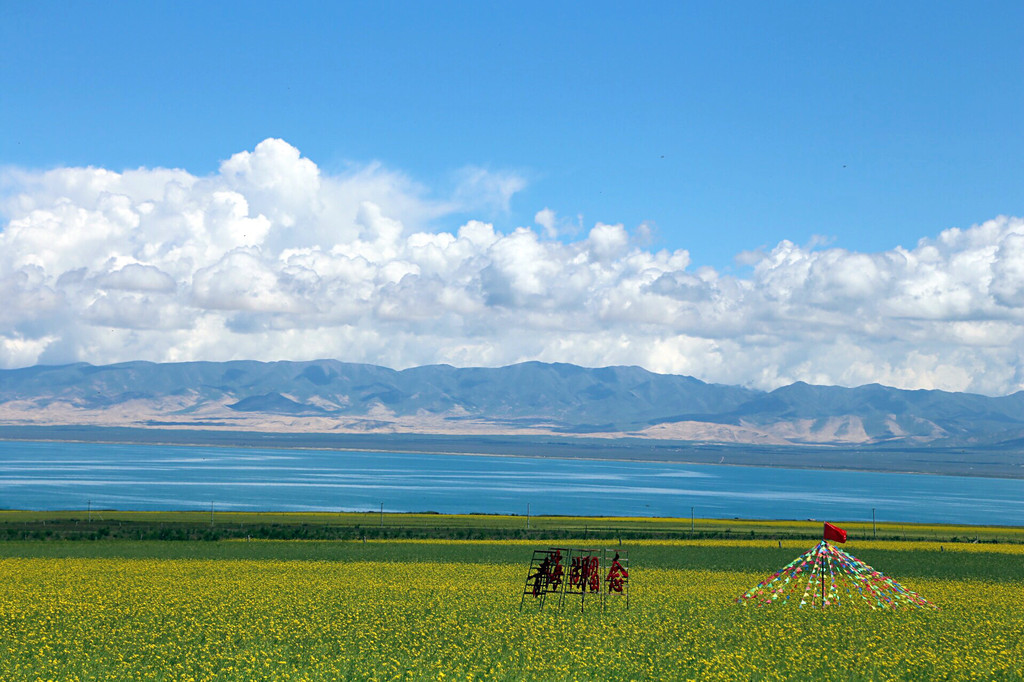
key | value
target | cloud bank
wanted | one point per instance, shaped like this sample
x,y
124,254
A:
x,y
270,258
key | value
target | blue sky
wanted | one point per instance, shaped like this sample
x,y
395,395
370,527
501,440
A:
x,y
750,193
727,126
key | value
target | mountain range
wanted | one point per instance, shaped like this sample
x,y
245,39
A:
x,y
527,398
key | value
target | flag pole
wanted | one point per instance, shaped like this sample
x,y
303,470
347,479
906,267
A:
x,y
821,561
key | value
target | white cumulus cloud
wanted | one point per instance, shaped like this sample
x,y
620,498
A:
x,y
272,258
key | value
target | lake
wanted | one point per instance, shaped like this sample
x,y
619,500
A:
x,y
54,476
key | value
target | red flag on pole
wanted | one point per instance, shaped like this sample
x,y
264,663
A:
x,y
834,533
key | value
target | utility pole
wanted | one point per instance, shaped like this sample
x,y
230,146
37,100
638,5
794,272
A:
x,y
874,534
90,511
381,514
691,520
211,512
527,516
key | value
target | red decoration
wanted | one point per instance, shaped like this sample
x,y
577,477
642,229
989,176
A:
x,y
584,574
576,572
834,533
548,577
593,576
617,575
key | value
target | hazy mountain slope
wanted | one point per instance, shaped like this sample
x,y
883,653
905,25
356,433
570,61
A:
x,y
533,396
883,413
557,393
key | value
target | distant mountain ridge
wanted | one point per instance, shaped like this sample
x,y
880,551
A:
x,y
531,397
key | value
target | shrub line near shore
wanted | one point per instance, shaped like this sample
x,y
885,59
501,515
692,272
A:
x,y
213,526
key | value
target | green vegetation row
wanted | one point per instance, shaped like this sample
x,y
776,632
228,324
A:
x,y
916,560
213,525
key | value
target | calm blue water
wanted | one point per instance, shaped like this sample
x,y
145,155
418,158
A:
x,y
71,475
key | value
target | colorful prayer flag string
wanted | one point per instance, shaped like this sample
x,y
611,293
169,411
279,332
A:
x,y
823,574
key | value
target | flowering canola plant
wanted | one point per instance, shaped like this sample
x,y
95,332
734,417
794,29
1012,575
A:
x,y
164,619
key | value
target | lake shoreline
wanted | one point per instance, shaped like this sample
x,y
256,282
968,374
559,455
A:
x,y
825,458
580,458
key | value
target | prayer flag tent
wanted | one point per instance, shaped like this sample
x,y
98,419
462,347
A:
x,y
834,533
827,576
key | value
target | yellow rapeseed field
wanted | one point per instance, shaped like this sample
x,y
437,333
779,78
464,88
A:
x,y
141,619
